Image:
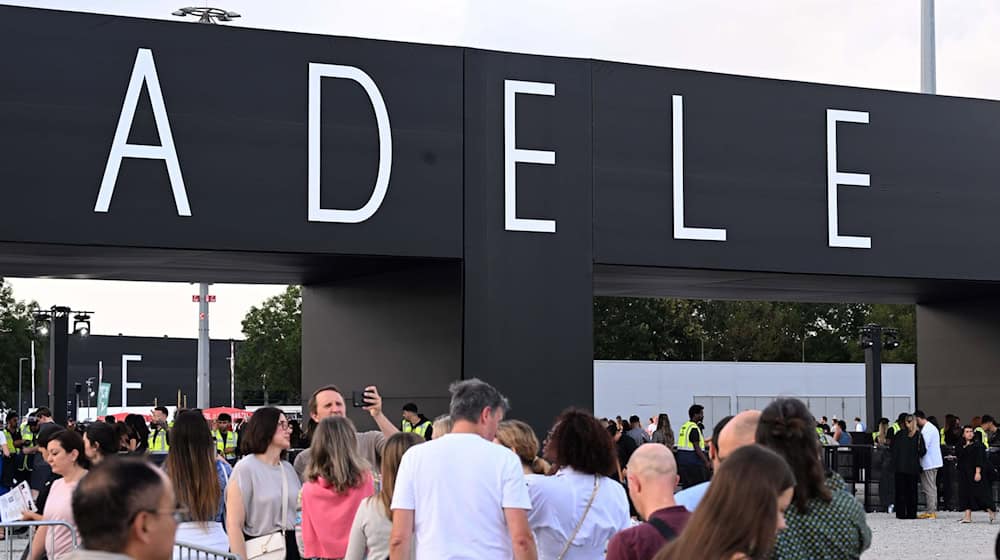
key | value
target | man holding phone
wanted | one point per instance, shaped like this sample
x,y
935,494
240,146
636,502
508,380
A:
x,y
329,401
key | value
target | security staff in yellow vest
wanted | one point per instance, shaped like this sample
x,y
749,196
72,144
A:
x,y
991,436
14,442
29,450
226,440
158,441
415,422
692,464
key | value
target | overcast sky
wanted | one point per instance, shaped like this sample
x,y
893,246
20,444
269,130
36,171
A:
x,y
848,42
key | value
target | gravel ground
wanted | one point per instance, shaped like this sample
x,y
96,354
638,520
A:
x,y
943,537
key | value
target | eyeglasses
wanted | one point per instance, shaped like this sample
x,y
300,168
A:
x,y
284,425
180,515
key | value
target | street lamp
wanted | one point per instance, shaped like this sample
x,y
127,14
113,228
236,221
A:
x,y
207,14
871,340
54,323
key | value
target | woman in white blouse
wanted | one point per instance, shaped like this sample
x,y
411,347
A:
x,y
580,507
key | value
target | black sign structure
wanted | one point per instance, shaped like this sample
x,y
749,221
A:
x,y
452,211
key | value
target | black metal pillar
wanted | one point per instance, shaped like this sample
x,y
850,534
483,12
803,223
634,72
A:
x,y
873,375
60,401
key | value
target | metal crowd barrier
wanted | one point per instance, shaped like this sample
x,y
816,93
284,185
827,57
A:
x,y
10,538
187,551
865,465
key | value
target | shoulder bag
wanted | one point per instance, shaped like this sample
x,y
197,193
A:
x,y
569,541
272,546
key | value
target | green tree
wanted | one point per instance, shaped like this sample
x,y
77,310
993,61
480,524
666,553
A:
x,y
646,329
16,331
270,361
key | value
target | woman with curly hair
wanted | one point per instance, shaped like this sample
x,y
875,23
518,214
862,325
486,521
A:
x,y
741,512
577,510
825,520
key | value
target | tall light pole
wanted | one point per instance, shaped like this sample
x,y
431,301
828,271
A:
x,y
20,400
204,381
928,59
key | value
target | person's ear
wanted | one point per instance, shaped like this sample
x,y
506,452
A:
x,y
141,527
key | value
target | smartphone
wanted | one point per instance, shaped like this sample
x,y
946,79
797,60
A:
x,y
358,399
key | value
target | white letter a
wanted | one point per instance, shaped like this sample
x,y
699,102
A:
x,y
143,71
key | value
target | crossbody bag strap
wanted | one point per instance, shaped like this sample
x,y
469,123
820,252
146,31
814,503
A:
x,y
284,496
569,542
666,531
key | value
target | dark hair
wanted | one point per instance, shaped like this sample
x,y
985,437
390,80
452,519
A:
x,y
125,486
612,429
920,414
71,441
162,409
633,419
109,419
260,430
103,437
190,465
139,429
740,510
786,427
694,410
410,407
988,418
224,417
714,443
842,424
45,434
43,411
579,442
902,417
11,416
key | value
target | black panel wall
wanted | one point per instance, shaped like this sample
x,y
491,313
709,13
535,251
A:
x,y
958,358
528,310
400,331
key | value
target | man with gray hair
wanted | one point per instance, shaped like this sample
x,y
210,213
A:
x,y
462,496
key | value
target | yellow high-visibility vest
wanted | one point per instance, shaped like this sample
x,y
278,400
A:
x,y
984,437
226,445
158,441
684,437
420,429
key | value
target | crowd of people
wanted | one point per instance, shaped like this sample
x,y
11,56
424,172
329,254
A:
x,y
471,484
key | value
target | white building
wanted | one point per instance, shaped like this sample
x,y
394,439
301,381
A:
x,y
723,388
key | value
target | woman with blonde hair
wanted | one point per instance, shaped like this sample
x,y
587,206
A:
x,y
520,438
372,525
337,480
442,426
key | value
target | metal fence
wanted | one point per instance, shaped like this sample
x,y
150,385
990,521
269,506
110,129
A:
x,y
868,466
187,551
15,538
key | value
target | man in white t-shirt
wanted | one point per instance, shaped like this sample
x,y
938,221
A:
x,y
930,463
462,496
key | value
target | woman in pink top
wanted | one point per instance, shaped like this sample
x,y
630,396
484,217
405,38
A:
x,y
67,459
337,480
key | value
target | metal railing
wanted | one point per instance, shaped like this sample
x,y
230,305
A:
x,y
869,466
188,551
9,541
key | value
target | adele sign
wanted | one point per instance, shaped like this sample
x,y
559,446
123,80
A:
x,y
151,134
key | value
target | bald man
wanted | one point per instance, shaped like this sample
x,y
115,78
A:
x,y
738,432
652,480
